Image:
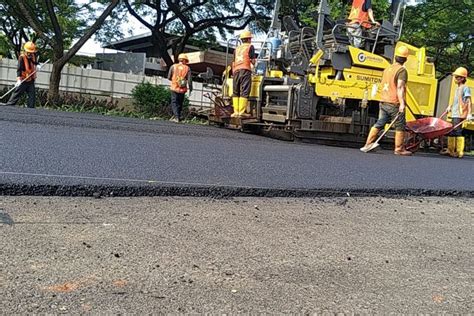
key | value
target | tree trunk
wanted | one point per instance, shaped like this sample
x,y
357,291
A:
x,y
54,81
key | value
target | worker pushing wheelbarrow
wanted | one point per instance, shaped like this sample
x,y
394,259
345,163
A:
x,y
430,128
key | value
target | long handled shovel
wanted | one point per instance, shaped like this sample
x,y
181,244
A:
x,y
31,74
376,143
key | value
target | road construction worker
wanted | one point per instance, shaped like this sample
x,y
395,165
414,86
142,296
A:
x,y
393,97
26,75
461,110
181,82
359,21
244,60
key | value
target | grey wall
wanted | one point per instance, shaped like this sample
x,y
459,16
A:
x,y
95,82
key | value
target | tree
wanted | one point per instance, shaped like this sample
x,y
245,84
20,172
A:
x,y
174,22
12,32
445,28
57,24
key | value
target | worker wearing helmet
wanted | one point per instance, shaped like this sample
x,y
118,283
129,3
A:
x,y
359,20
26,75
181,82
394,81
244,59
461,110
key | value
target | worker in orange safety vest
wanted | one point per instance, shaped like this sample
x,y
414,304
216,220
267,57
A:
x,y
360,19
244,60
393,97
26,75
181,82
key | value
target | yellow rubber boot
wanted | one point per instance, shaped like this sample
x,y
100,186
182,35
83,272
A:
x,y
235,105
370,139
243,102
453,149
460,146
451,146
399,144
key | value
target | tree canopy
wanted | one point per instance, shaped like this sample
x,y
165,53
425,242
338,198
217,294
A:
x,y
174,22
446,29
57,25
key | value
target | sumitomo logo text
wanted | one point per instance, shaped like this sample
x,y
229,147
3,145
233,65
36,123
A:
x,y
364,58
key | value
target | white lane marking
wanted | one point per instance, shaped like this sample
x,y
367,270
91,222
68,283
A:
x,y
97,178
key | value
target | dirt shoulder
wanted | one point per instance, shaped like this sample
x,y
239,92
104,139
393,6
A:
x,y
142,255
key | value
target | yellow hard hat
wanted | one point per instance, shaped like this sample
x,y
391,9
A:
x,y
30,47
461,72
246,34
402,51
183,56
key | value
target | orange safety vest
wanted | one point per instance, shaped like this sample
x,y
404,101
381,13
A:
x,y
358,15
29,68
389,84
463,108
179,80
242,59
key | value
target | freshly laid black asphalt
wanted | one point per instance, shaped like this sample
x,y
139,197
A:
x,y
44,152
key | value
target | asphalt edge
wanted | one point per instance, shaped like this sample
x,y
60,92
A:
x,y
98,191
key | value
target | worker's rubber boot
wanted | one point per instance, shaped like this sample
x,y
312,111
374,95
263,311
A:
x,y
451,146
243,102
370,139
447,150
235,105
460,146
399,144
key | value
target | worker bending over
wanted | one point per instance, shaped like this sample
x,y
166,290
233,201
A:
x,y
244,60
461,110
393,97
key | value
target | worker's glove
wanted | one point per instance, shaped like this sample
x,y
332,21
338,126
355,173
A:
x,y
469,117
18,83
38,67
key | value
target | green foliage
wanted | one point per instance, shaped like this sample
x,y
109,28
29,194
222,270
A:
x,y
445,28
4,46
154,100
74,18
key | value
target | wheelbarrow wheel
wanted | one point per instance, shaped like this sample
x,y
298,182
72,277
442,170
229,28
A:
x,y
413,142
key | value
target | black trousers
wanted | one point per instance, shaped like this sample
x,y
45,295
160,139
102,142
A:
x,y
458,130
242,83
177,100
29,88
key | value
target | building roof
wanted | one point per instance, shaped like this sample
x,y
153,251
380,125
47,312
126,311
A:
x,y
200,59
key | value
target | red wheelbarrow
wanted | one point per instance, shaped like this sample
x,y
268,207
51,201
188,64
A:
x,y
427,130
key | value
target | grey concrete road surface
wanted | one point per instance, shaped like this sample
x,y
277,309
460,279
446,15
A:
x,y
41,147
194,255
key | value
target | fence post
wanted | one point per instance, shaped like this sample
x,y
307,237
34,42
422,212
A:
x,y
112,83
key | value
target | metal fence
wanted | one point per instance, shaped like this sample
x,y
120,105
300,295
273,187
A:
x,y
98,83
